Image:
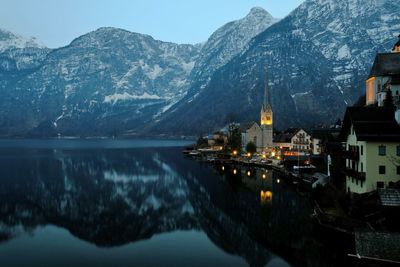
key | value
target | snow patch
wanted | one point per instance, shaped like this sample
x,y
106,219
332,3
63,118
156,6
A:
x,y
301,94
126,96
344,52
118,177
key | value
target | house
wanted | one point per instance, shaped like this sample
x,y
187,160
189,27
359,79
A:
x,y
372,138
293,139
217,140
322,138
384,77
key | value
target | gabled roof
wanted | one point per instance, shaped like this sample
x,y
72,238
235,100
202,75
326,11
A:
x,y
246,125
386,64
325,134
390,197
283,138
382,245
371,124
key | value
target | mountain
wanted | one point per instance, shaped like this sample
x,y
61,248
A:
x,y
18,53
104,82
317,59
223,45
109,81
227,42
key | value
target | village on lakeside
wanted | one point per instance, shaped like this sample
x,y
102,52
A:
x,y
352,168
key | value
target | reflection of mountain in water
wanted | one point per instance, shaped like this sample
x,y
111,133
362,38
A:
x,y
112,197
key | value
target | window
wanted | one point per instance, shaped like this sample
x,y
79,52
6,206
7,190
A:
x,y
398,150
382,150
398,169
382,169
362,167
380,184
362,150
361,184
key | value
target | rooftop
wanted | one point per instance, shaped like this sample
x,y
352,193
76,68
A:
x,y
380,245
371,124
386,64
390,197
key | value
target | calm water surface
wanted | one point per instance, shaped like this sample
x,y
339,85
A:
x,y
141,203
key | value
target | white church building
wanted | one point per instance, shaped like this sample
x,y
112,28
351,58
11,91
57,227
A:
x,y
261,135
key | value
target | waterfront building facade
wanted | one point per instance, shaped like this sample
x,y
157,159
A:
x,y
372,148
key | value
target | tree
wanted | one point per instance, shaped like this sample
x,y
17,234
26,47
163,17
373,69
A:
x,y
202,142
388,102
251,147
235,137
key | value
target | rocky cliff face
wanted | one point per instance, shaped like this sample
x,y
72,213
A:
x,y
317,59
105,82
114,82
110,81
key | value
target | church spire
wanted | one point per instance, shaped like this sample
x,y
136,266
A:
x,y
266,109
267,97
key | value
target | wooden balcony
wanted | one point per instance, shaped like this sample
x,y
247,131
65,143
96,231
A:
x,y
353,155
355,174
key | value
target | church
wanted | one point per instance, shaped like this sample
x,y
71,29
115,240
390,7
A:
x,y
260,135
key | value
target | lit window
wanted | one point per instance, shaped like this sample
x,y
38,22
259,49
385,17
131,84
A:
x,y
382,150
382,169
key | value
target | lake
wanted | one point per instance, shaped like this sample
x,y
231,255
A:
x,y
142,203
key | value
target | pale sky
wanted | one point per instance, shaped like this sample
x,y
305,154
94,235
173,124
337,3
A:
x,y
57,22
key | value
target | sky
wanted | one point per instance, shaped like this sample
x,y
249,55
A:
x,y
56,23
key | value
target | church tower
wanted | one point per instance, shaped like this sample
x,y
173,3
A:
x,y
266,118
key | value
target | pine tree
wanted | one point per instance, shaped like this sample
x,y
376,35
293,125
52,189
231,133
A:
x,y
388,102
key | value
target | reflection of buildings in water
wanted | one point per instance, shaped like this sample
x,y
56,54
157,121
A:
x,y
265,197
259,179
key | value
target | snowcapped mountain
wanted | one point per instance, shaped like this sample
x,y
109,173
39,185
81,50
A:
x,y
115,82
19,53
317,60
111,81
227,42
9,40
103,83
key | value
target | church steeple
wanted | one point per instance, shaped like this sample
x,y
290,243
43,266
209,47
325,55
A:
x,y
266,109
267,98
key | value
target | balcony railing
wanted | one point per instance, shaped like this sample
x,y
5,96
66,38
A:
x,y
355,174
301,142
353,155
